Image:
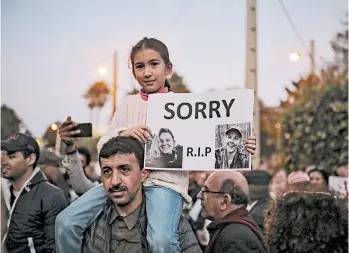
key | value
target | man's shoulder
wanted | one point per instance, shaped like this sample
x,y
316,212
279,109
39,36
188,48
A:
x,y
238,230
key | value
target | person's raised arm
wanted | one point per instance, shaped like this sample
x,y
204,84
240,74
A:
x,y
71,162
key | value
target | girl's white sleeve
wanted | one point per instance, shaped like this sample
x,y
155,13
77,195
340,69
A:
x,y
117,124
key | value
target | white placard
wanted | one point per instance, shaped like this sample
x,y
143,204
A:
x,y
199,131
340,185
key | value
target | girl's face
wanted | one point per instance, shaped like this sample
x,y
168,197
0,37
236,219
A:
x,y
316,178
150,70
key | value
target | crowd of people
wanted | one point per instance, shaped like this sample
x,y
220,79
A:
x,y
54,204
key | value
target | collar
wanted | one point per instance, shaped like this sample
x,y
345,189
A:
x,y
130,220
36,177
145,96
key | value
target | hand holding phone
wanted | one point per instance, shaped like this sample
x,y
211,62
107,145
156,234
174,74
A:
x,y
71,130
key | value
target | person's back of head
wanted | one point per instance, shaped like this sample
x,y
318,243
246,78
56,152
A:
x,y
305,218
258,183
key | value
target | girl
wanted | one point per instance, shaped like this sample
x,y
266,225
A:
x,y
164,190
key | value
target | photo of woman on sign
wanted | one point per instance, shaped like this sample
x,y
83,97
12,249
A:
x,y
162,151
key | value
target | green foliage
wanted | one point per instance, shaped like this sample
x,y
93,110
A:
x,y
315,129
10,122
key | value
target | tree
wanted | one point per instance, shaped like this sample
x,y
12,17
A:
x,y
97,96
10,122
315,131
177,84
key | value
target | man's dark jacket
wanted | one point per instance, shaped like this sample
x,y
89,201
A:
x,y
97,238
32,221
237,238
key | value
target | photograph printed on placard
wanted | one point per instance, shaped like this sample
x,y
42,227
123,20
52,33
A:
x,y
162,151
230,143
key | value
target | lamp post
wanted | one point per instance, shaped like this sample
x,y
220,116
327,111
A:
x,y
55,127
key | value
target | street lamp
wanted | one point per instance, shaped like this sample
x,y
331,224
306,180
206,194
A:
x,y
294,56
102,71
54,126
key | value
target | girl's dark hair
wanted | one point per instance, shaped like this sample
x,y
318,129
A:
x,y
166,130
307,218
322,172
156,45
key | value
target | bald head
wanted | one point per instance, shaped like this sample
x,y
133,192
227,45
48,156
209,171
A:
x,y
218,178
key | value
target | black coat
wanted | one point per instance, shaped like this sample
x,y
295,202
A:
x,y
32,217
258,212
238,238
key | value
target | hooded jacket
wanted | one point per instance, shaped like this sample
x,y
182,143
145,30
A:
x,y
31,219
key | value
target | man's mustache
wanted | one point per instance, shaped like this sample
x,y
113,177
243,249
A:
x,y
117,188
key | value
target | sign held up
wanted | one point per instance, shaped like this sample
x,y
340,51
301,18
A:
x,y
199,131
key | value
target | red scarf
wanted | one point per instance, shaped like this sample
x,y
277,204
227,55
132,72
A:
x,y
145,96
215,227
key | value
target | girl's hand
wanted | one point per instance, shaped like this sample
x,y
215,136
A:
x,y
251,145
140,132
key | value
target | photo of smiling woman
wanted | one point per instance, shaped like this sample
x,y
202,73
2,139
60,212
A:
x,y
163,152
230,141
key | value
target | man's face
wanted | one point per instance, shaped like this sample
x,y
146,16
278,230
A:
x,y
83,160
51,171
232,141
210,202
122,178
167,143
13,165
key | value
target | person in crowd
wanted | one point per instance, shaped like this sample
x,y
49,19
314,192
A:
x,y
31,201
164,152
278,182
229,155
224,200
75,162
50,164
164,190
297,177
85,158
307,218
121,226
318,176
342,170
258,183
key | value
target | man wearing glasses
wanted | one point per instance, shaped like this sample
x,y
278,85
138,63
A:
x,y
224,198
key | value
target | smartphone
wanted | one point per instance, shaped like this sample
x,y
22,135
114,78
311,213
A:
x,y
85,128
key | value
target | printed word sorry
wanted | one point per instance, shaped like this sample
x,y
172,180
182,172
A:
x,y
199,109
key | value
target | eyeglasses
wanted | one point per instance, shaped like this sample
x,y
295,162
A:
x,y
205,190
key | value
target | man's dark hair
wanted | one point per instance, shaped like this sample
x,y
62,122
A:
x,y
238,197
85,152
122,145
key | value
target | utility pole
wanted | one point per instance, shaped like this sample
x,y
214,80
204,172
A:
x,y
251,71
114,87
312,57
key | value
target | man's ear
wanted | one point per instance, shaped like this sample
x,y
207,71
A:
x,y
31,159
225,202
145,174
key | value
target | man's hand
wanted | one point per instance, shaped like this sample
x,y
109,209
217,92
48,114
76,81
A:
x,y
66,133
